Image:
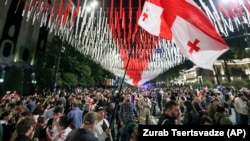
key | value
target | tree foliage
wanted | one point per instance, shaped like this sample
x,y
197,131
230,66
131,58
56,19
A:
x,y
175,71
238,83
45,77
208,84
72,68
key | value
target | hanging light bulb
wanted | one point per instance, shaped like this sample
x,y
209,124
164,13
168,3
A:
x,y
88,8
94,4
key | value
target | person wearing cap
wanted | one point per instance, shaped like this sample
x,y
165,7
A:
x,y
212,107
86,132
102,129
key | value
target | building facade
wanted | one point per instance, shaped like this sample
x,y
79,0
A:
x,y
22,44
223,72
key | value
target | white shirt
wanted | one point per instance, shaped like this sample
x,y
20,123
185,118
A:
x,y
61,135
48,114
3,122
98,131
240,106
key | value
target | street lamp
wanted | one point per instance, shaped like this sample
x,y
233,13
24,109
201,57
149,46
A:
x,y
200,82
57,65
91,6
247,38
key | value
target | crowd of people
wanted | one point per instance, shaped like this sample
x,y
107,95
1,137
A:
x,y
98,114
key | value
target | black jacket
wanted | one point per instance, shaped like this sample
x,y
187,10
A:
x,y
166,120
22,138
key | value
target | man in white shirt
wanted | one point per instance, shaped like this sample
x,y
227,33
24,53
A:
x,y
102,129
144,105
240,105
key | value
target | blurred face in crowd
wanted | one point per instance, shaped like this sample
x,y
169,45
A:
x,y
56,96
165,95
27,99
174,112
144,94
216,102
8,117
100,114
59,126
57,115
52,100
109,100
127,97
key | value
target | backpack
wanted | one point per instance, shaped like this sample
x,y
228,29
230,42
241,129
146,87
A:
x,y
104,127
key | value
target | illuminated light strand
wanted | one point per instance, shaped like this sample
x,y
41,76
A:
x,y
113,30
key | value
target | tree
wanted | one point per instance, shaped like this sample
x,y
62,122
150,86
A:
x,y
237,46
68,79
208,84
238,83
74,68
45,77
174,72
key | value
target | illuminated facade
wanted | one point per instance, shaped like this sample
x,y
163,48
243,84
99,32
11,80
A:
x,y
22,43
237,69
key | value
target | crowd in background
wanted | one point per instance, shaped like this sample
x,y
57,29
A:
x,y
114,114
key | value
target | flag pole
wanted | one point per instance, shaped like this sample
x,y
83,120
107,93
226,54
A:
x,y
133,43
124,75
132,47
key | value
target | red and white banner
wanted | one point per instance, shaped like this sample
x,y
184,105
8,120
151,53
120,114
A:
x,y
183,22
105,32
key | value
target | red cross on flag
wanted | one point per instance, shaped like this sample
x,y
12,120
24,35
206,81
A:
x,y
184,23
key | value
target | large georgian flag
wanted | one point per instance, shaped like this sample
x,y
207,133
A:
x,y
184,23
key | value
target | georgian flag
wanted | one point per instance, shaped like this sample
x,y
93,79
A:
x,y
183,22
